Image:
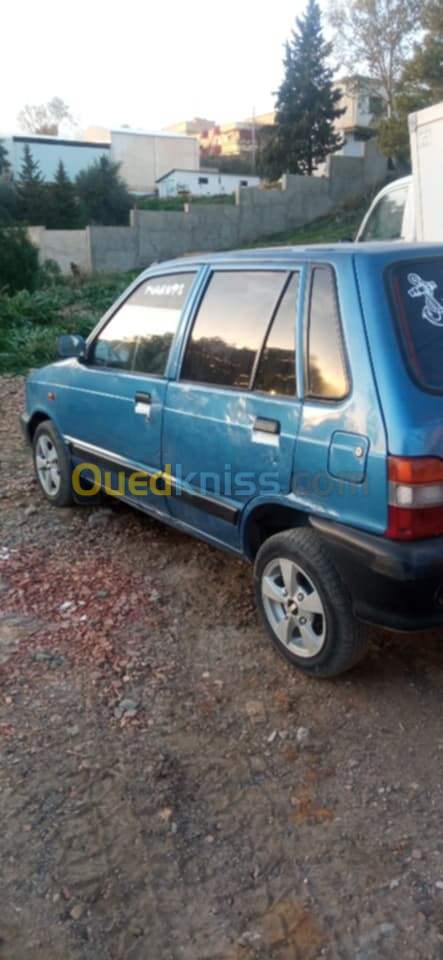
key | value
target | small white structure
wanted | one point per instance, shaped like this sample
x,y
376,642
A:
x,y
76,155
202,183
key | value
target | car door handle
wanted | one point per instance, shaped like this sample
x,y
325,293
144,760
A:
x,y
143,404
263,425
142,397
266,431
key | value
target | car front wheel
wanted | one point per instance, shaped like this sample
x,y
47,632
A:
x,y
52,464
305,605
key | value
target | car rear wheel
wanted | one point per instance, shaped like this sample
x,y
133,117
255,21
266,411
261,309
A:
x,y
52,465
305,605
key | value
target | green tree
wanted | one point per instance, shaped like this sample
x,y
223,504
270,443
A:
x,y
393,140
379,36
45,118
64,211
18,260
8,202
5,166
103,194
307,103
422,78
420,85
31,191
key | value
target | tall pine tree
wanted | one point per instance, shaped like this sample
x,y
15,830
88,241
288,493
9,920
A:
x,y
5,166
31,191
64,210
307,103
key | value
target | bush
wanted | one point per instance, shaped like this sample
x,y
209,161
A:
x,y
31,322
19,267
103,195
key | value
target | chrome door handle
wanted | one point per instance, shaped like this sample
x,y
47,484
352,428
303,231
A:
x,y
266,431
143,404
263,425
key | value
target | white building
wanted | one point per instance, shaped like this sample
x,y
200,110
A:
x,y
48,151
202,183
143,156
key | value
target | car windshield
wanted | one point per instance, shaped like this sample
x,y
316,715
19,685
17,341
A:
x,y
386,220
417,295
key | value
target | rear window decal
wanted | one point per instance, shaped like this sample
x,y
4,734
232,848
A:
x,y
416,288
433,309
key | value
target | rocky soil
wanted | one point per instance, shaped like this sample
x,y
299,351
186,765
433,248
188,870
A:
x,y
170,789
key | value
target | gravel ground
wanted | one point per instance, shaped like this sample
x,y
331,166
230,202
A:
x,y
170,788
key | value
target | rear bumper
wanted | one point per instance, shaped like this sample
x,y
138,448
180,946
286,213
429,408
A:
x,y
392,583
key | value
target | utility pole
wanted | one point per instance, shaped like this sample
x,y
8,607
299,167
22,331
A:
x,y
254,141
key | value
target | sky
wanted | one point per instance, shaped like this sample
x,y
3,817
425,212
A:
x,y
145,64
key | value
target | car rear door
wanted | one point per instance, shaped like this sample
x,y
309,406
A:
x,y
231,417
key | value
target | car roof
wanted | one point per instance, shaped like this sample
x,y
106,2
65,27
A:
x,y
392,185
321,252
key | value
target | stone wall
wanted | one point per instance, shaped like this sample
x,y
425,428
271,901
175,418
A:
x,y
159,235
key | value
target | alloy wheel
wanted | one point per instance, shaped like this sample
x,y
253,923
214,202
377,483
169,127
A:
x,y
293,607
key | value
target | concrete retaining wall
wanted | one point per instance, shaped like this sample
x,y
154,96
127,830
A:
x,y
159,235
63,246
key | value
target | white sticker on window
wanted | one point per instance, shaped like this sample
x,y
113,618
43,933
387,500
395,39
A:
x,y
433,309
164,289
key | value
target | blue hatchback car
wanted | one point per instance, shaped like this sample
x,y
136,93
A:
x,y
285,404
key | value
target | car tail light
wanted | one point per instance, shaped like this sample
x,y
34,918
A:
x,y
415,497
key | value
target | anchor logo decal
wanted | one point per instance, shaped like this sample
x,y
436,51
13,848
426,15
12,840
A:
x,y
433,309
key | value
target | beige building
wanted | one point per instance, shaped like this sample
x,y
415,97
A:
x,y
362,103
144,156
195,127
235,139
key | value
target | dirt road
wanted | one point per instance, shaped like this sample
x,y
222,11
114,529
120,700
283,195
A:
x,y
171,789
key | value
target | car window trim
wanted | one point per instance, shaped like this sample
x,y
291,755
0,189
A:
x,y
115,307
268,331
307,397
236,268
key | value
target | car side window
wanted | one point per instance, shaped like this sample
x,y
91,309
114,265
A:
x,y
276,368
386,219
230,326
327,374
138,336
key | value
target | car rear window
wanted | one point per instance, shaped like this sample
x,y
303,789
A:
x,y
417,296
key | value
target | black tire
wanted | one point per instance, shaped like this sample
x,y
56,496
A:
x,y
61,494
343,639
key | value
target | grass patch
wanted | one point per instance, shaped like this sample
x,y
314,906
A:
x,y
31,322
178,203
333,229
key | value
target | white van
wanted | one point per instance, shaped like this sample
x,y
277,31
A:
x,y
391,215
411,209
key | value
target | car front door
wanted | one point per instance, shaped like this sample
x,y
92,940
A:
x,y
112,405
232,416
